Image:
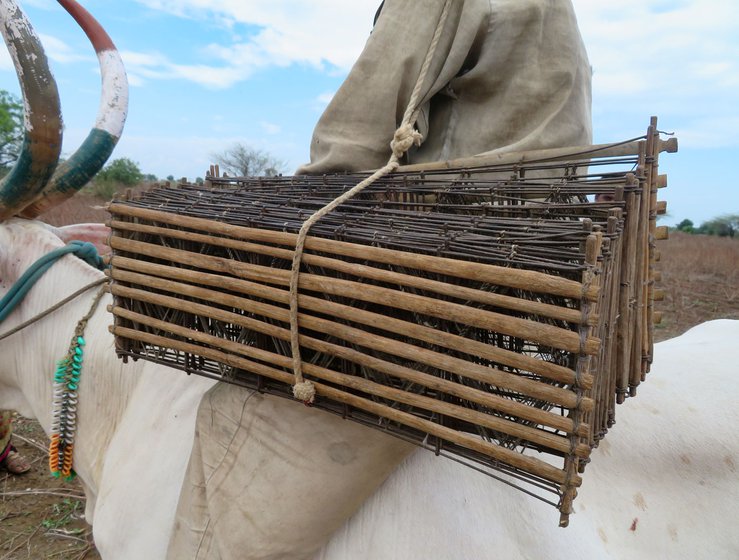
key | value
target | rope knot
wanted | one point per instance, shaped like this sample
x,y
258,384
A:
x,y
88,253
404,138
304,391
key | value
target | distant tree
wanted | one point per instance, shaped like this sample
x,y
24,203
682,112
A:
x,y
150,178
170,177
119,173
199,181
723,226
244,161
11,130
123,171
686,225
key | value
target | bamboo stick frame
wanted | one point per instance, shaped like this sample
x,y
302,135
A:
x,y
543,438
382,275
352,315
538,332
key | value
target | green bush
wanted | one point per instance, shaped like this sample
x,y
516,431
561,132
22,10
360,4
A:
x,y
123,171
11,130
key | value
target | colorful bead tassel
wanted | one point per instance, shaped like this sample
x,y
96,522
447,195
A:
x,y
64,410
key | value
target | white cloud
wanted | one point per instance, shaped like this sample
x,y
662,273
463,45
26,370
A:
x,y
270,128
326,34
292,31
677,58
59,51
325,98
141,67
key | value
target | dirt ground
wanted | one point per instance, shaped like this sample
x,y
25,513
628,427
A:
x,y
43,518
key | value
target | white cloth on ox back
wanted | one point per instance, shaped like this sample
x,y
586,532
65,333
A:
x,y
507,75
272,479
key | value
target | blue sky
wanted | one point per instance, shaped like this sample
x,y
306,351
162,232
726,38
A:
x,y
207,73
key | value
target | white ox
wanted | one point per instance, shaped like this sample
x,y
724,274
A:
x,y
664,484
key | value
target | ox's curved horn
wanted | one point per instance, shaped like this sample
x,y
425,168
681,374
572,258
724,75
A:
x,y
75,172
42,138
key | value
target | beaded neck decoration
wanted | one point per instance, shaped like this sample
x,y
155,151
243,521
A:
x,y
64,400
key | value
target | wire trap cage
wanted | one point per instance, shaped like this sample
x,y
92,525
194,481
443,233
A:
x,y
494,312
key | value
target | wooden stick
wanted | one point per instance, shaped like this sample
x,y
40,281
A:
x,y
592,251
506,456
505,405
662,233
379,274
464,368
403,328
513,326
499,158
397,326
642,265
628,279
502,276
533,435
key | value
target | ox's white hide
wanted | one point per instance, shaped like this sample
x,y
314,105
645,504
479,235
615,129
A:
x,y
135,422
663,485
145,466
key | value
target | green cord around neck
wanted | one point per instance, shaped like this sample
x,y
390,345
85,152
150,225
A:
x,y
83,249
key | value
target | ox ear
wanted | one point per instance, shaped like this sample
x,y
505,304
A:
x,y
97,234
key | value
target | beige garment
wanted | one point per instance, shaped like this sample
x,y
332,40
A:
x,y
507,75
268,478
272,479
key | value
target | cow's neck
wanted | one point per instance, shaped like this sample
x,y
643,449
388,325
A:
x,y
106,384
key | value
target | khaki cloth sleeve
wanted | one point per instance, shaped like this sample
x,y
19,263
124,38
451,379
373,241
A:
x,y
508,75
269,478
355,131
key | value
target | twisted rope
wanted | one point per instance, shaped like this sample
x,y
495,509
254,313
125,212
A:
x,y
404,138
53,308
